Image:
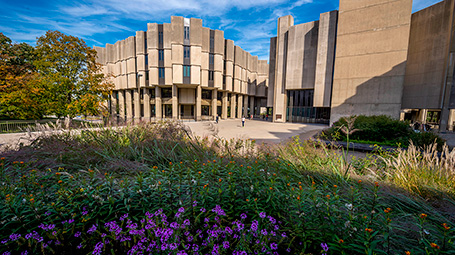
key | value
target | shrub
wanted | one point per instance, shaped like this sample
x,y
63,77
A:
x,y
382,129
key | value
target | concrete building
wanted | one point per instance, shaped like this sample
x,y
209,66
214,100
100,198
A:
x,y
371,57
183,70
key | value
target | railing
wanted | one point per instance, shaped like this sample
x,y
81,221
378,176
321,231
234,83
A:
x,y
15,126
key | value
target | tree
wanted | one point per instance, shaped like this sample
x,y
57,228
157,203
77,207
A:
x,y
21,90
73,80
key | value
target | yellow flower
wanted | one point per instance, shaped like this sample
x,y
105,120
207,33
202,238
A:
x,y
423,215
435,246
81,190
407,252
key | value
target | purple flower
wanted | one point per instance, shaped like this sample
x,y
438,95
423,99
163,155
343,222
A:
x,y
195,247
218,211
202,209
194,203
284,234
103,235
70,221
186,222
92,229
98,248
273,246
288,249
262,214
78,234
177,215
181,210
124,217
14,237
6,253
226,244
84,212
228,230
264,232
324,247
79,246
242,216
48,213
24,253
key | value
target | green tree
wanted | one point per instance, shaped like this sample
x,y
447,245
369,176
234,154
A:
x,y
21,89
74,81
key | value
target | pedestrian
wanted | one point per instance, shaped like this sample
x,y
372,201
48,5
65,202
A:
x,y
243,121
251,116
217,118
266,117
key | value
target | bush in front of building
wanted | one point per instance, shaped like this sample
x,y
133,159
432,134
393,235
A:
x,y
382,130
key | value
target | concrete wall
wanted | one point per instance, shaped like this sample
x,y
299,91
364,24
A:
x,y
429,45
371,52
325,59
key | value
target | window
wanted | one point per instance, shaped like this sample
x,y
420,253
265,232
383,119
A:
x,y
186,52
186,71
145,42
211,73
186,33
211,59
147,76
166,93
161,72
212,42
224,79
146,60
160,55
160,37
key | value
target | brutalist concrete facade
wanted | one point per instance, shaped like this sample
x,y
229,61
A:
x,y
182,70
371,57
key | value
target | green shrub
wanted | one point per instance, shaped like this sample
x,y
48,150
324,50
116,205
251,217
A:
x,y
382,130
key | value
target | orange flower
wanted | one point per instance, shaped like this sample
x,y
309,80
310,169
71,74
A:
x,y
368,230
407,252
300,187
313,183
292,188
359,181
162,171
341,241
230,173
241,165
195,160
328,196
170,163
289,164
256,161
335,186
199,172
387,210
247,200
60,181
445,226
271,188
255,199
365,217
300,183
33,200
3,158
376,184
298,197
219,180
159,183
181,162
214,161
435,246
423,215
155,167
289,184
203,164
22,162
105,173
57,173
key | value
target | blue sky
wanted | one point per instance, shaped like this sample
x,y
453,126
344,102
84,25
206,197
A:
x,y
250,23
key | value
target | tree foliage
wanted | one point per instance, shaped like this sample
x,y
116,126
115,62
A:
x,y
59,77
74,82
21,89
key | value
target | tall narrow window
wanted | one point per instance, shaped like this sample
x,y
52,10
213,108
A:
x,y
211,73
145,43
186,71
186,33
146,60
212,42
161,72
160,37
147,76
211,59
186,52
160,55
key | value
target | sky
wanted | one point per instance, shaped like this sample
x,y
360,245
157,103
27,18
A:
x,y
250,23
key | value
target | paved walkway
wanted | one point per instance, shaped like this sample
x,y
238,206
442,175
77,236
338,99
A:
x,y
259,130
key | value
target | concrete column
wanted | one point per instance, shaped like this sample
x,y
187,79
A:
x,y
198,103
422,116
121,105
252,105
245,105
114,104
129,104
158,105
233,103
224,105
214,103
175,102
239,107
146,105
137,106
451,120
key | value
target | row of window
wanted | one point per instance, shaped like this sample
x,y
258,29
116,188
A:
x,y
186,73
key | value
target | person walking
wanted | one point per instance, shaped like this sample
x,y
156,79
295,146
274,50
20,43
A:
x,y
266,117
243,121
217,118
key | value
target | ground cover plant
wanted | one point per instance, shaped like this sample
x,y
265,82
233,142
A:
x,y
155,189
382,130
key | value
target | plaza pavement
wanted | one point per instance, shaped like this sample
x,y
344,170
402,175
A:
x,y
259,130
